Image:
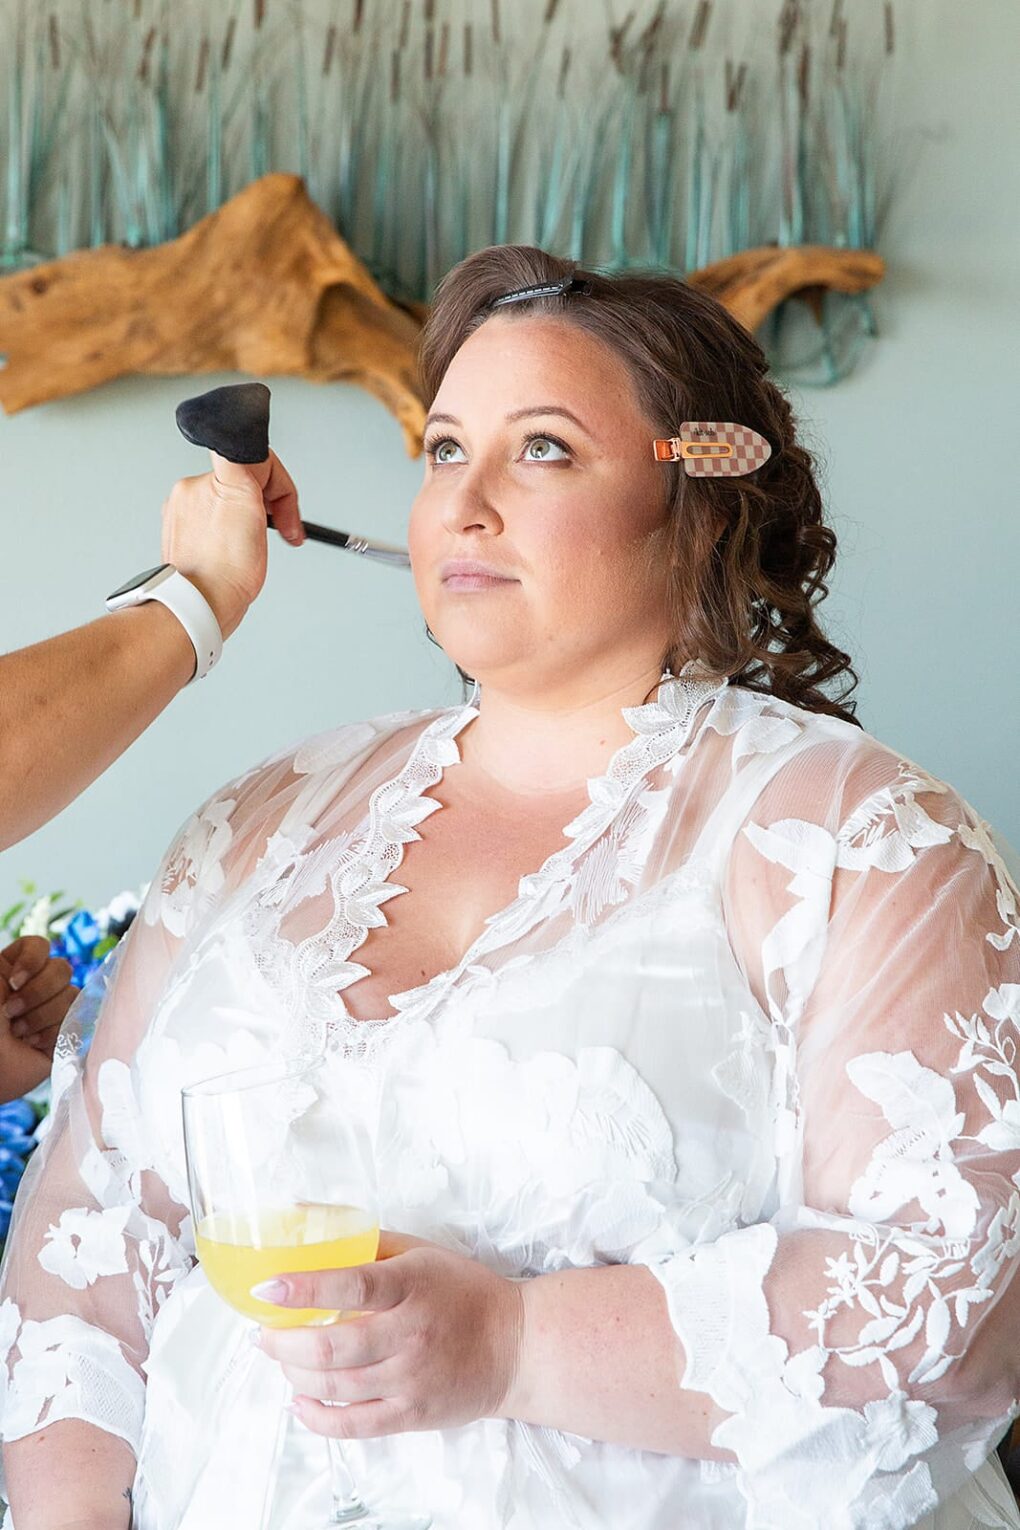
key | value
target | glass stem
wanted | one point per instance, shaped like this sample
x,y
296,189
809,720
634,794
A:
x,y
347,1504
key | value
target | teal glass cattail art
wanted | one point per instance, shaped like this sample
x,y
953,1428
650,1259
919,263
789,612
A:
x,y
684,132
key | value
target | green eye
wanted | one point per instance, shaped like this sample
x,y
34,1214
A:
x,y
540,448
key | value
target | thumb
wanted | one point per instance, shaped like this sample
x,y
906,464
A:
x,y
240,475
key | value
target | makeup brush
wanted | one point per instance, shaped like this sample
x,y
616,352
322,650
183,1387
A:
x,y
234,423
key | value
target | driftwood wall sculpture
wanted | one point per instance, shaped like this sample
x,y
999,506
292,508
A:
x,y
266,286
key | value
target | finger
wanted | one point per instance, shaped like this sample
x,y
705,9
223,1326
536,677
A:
x,y
362,1288
361,1421
363,1383
45,1042
247,476
24,1069
25,957
280,495
272,481
54,979
335,1346
46,1017
393,1243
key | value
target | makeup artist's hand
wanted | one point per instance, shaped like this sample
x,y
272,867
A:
x,y
214,530
435,1343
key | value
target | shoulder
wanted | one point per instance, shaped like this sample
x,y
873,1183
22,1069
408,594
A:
x,y
351,742
822,764
221,842
833,795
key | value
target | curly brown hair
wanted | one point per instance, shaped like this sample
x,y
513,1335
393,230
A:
x,y
744,598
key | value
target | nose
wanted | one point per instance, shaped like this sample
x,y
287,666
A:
x,y
468,505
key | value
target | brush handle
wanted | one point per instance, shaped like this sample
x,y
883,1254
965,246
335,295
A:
x,y
378,552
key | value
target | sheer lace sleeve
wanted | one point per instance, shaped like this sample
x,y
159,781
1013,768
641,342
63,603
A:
x,y
863,1338
99,1237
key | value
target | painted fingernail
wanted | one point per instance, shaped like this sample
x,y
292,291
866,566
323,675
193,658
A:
x,y
13,1008
18,979
270,1291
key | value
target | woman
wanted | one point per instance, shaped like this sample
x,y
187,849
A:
x,y
692,1030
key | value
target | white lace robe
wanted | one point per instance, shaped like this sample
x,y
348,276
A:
x,y
753,1026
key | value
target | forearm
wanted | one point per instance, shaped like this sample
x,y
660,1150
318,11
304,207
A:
x,y
69,706
599,1357
69,1476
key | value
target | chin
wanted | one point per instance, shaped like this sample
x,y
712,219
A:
x,y
487,667
475,652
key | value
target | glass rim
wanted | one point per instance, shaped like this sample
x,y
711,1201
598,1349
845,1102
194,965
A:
x,y
258,1077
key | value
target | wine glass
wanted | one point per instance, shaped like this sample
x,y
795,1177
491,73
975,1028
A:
x,y
281,1177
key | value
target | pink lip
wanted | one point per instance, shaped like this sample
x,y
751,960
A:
x,y
466,574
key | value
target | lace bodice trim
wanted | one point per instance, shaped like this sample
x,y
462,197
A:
x,y
321,966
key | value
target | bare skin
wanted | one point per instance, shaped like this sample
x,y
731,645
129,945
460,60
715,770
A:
x,y
35,994
578,634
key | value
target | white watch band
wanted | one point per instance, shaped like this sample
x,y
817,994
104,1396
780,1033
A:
x,y
191,609
196,616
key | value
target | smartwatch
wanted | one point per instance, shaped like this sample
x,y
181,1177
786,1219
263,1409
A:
x,y
169,586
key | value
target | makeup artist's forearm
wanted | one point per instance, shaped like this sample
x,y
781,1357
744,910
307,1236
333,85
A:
x,y
599,1358
70,705
69,1476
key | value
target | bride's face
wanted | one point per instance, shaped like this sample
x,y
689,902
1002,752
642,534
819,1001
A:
x,y
539,467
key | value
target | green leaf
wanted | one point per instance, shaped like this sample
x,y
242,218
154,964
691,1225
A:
x,y
10,919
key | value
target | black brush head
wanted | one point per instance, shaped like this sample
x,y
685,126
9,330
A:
x,y
231,421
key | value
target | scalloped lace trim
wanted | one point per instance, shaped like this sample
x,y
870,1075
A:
x,y
319,968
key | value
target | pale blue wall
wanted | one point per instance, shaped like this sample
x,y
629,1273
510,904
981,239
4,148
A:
x,y
920,443
918,451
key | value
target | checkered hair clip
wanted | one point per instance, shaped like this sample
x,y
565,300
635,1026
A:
x,y
560,288
714,449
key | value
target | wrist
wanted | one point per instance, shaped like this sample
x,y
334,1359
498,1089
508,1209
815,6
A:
x,y
228,606
166,585
514,1320
156,632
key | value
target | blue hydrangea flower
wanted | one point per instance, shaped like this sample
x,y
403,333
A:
x,y
18,1122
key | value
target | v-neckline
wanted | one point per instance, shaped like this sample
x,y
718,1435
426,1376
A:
x,y
660,729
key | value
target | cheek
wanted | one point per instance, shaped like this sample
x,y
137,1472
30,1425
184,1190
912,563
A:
x,y
421,549
417,524
424,533
624,572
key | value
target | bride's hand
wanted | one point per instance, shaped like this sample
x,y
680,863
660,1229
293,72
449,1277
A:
x,y
436,1343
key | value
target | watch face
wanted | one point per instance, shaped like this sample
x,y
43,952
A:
x,y
137,580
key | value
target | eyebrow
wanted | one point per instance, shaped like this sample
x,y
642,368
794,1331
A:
x,y
517,414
